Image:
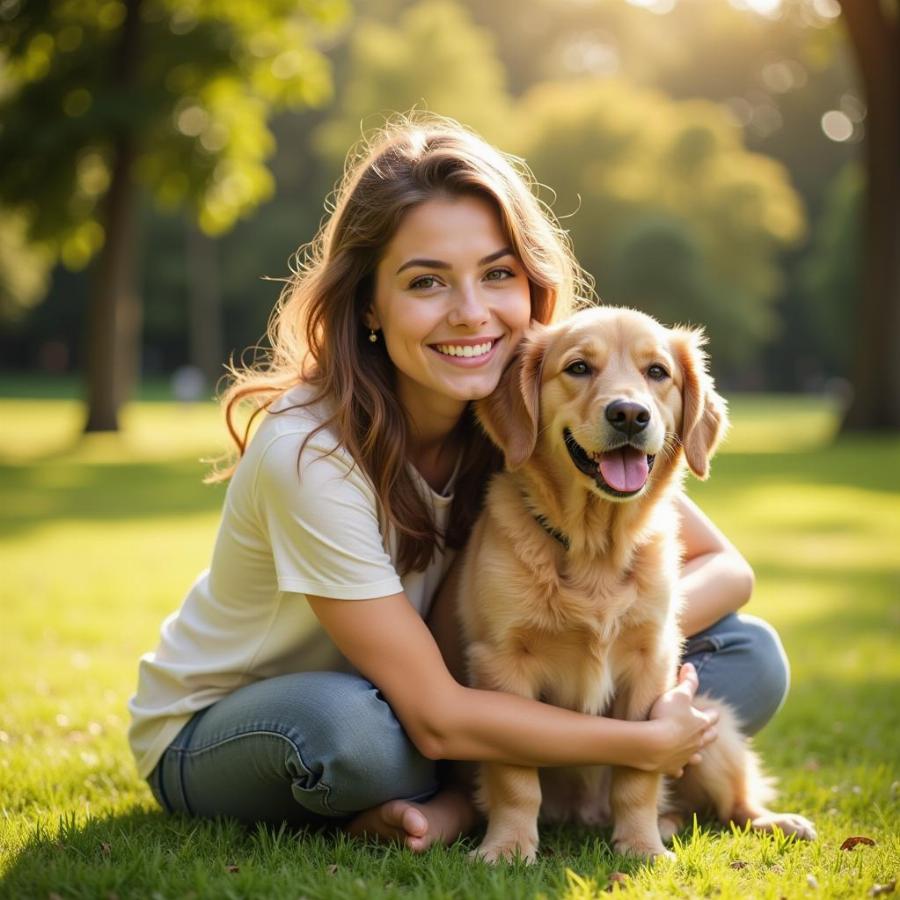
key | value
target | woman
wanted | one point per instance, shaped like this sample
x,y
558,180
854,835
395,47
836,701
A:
x,y
276,693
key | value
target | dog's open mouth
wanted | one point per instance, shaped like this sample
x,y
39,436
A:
x,y
621,472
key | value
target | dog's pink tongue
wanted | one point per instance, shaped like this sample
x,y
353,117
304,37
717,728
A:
x,y
624,469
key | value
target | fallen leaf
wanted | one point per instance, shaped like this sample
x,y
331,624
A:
x,y
851,842
811,880
53,896
878,889
232,869
332,869
738,864
105,848
112,896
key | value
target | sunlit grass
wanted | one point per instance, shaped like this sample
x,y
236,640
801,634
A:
x,y
101,538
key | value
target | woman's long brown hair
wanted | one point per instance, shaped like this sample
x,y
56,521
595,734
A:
x,y
317,335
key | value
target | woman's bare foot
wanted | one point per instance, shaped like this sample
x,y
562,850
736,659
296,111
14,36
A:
x,y
443,818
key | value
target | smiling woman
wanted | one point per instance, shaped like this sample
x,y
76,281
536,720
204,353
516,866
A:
x,y
367,470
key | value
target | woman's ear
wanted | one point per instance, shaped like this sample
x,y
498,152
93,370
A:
x,y
704,418
370,319
511,413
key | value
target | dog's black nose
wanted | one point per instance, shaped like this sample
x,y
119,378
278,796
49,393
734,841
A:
x,y
627,416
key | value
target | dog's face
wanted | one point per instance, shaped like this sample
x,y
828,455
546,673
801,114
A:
x,y
609,390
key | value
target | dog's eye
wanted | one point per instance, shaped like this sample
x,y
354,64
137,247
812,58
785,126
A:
x,y
579,367
657,372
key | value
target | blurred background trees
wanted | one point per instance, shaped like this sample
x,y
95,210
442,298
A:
x,y
705,155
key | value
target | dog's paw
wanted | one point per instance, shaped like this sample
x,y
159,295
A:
x,y
789,823
669,825
647,849
505,851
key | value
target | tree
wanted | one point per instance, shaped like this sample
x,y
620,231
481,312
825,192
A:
x,y
874,30
107,95
831,272
667,209
433,58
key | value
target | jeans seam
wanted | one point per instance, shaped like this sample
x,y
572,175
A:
x,y
160,791
261,732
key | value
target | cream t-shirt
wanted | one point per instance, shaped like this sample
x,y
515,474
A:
x,y
291,525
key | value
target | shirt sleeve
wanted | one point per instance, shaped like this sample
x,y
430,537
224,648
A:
x,y
322,522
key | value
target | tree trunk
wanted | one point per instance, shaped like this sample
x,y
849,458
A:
x,y
114,314
205,305
876,41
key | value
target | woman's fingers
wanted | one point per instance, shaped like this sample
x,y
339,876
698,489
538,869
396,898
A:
x,y
687,679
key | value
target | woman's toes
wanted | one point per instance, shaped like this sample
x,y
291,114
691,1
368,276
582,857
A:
x,y
413,822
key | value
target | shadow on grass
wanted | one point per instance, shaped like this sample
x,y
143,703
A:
x,y
33,495
143,854
865,463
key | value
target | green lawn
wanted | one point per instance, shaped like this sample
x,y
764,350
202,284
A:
x,y
100,540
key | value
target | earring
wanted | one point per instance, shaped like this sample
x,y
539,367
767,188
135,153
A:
x,y
373,337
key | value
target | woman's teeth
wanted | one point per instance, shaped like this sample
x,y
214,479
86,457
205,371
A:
x,y
467,350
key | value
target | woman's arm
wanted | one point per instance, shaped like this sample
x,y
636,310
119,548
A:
x,y
715,578
387,641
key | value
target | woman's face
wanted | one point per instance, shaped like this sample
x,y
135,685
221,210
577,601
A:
x,y
451,301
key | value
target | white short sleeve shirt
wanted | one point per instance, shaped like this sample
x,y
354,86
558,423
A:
x,y
291,525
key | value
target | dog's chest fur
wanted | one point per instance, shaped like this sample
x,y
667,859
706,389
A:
x,y
567,626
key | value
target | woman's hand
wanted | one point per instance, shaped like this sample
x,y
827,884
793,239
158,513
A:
x,y
682,729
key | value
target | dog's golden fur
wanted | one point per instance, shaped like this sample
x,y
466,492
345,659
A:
x,y
593,626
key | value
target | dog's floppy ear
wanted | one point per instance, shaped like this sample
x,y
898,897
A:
x,y
510,414
704,412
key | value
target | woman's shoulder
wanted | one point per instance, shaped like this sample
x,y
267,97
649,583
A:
x,y
295,433
298,413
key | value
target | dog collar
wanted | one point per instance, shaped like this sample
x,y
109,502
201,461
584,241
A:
x,y
553,532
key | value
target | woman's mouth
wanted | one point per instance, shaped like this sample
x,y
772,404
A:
x,y
467,352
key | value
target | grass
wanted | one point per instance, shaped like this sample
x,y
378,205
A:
x,y
101,538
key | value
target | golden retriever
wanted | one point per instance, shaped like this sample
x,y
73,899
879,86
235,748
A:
x,y
568,588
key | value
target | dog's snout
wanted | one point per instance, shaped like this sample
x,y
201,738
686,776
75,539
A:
x,y
627,416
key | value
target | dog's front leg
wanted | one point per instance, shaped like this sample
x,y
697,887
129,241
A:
x,y
634,794
510,796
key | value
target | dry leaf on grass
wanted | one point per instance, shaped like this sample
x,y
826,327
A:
x,y
738,864
878,889
852,842
332,869
105,849
232,869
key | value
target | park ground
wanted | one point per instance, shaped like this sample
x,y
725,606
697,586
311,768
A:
x,y
101,538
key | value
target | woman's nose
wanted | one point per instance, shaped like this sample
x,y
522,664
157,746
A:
x,y
469,307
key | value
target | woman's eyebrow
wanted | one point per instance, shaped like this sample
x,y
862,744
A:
x,y
440,264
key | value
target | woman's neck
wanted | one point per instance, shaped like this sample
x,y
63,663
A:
x,y
434,439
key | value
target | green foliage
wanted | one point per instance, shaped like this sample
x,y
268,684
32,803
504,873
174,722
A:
x,y
204,79
101,539
667,209
434,58
832,271
24,267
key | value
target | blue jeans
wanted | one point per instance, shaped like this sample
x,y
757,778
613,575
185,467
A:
x,y
317,747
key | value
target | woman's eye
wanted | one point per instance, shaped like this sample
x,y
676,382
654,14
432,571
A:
x,y
579,367
657,372
498,275
423,282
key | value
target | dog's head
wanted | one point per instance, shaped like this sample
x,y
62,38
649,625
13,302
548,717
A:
x,y
609,390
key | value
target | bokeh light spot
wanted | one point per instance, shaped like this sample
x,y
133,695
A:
x,y
837,125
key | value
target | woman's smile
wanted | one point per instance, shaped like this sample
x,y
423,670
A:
x,y
451,301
